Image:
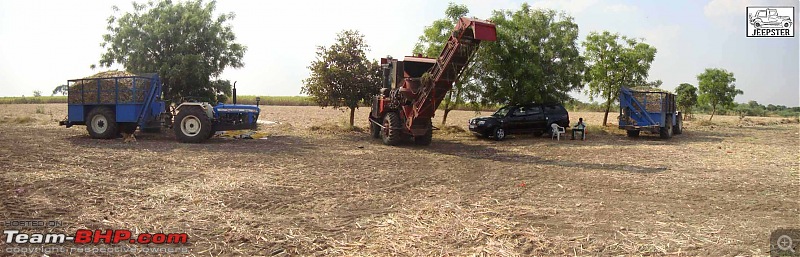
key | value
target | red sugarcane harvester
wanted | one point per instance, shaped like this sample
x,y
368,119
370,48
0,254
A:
x,y
413,88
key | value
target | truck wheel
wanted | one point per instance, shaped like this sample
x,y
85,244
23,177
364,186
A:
x,y
192,125
666,131
389,134
102,123
374,129
499,134
633,133
678,129
428,137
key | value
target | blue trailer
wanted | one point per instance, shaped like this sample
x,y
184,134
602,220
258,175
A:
x,y
649,111
121,104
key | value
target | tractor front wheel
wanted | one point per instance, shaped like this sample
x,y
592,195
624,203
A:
x,y
374,129
192,125
391,132
102,123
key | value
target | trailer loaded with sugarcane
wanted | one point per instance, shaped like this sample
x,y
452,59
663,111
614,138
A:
x,y
650,111
115,102
413,88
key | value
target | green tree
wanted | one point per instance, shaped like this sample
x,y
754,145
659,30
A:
x,y
342,76
717,88
615,61
535,58
37,93
62,89
686,95
431,44
185,42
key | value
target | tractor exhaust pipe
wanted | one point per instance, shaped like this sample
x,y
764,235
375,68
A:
x,y
234,92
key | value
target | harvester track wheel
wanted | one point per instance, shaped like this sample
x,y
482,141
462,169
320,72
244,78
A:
x,y
389,133
427,137
678,129
192,125
374,129
102,123
499,134
666,131
633,133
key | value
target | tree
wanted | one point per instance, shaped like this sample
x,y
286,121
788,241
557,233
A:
x,y
62,89
342,76
615,61
535,58
37,93
184,42
686,95
431,44
717,88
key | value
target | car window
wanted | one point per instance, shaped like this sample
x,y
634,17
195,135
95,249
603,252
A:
x,y
520,112
534,110
773,12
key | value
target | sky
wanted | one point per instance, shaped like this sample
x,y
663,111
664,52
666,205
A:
x,y
45,43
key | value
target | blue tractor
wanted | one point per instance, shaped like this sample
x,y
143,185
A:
x,y
649,111
121,104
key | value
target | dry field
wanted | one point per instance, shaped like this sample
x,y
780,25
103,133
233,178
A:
x,y
311,188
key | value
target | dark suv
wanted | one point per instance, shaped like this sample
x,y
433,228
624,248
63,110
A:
x,y
518,119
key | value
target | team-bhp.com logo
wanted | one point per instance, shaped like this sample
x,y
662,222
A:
x,y
84,236
770,21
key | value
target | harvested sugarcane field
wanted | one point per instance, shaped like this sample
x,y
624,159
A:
x,y
304,185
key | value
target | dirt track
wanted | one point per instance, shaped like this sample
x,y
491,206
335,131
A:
x,y
312,189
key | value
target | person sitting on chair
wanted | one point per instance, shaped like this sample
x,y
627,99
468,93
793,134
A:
x,y
579,127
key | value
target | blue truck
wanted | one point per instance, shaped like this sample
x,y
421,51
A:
x,y
121,104
650,111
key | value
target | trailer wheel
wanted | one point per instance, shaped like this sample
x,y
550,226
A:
x,y
390,135
102,123
633,133
678,129
666,131
499,134
192,125
428,137
374,129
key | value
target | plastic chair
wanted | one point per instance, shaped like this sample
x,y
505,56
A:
x,y
557,131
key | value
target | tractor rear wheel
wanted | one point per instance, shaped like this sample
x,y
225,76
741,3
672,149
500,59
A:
x,y
192,125
390,133
374,129
666,131
427,137
678,129
101,123
633,133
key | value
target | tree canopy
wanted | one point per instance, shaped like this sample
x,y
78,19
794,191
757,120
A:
x,y
717,88
342,76
184,42
616,61
686,97
535,58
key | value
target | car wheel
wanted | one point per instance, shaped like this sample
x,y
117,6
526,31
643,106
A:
x,y
499,134
786,24
757,23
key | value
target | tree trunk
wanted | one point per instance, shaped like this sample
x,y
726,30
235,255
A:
x,y
608,108
713,111
444,117
352,114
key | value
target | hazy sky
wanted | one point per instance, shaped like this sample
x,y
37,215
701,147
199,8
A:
x,y
45,43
